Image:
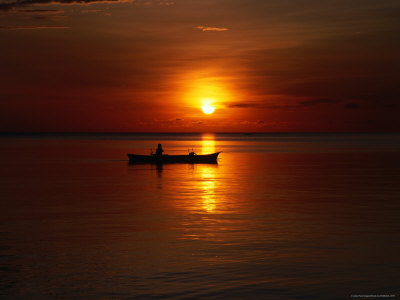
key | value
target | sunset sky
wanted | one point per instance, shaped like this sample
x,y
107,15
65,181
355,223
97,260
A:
x,y
150,66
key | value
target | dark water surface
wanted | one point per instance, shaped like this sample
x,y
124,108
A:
x,y
282,216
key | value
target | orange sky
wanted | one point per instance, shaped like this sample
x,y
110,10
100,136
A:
x,y
149,66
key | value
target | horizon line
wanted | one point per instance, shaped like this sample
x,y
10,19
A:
x,y
196,132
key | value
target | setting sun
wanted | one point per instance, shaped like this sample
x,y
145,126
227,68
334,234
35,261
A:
x,y
208,108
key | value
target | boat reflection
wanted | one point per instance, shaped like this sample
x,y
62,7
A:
x,y
159,168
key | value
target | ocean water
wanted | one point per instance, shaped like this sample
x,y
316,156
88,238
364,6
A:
x,y
281,216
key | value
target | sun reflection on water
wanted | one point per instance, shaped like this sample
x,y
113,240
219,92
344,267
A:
x,y
207,174
202,191
207,143
207,186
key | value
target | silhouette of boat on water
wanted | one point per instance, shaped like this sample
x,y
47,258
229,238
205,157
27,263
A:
x,y
159,158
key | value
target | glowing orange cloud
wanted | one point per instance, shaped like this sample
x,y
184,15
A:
x,y
206,28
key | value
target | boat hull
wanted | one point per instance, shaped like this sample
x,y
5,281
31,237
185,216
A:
x,y
174,159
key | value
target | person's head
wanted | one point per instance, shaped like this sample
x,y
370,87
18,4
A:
x,y
159,145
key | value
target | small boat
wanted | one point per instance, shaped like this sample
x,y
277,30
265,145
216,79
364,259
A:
x,y
191,158
159,158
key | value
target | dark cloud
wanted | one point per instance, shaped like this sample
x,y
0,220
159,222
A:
x,y
21,3
318,101
32,27
37,14
42,11
245,105
284,107
96,11
389,105
265,105
352,106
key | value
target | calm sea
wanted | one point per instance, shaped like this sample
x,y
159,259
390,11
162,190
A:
x,y
281,216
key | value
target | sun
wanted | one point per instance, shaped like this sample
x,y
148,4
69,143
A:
x,y
208,108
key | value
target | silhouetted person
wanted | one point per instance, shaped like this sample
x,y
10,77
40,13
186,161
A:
x,y
159,150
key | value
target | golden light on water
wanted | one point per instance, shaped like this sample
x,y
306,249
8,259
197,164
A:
x,y
208,197
203,190
207,143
